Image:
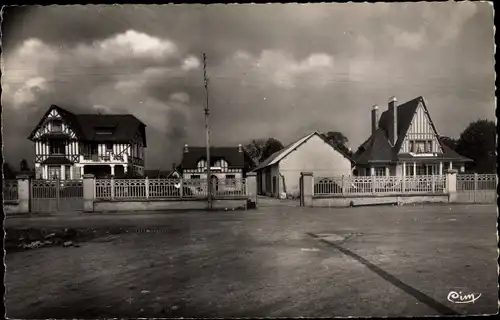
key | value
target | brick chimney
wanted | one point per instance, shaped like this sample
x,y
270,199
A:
x,y
240,148
186,149
375,118
173,166
393,123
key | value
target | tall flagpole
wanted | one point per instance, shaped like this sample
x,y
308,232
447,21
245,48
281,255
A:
x,y
207,134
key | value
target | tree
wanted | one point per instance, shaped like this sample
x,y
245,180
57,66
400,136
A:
x,y
261,149
272,145
339,140
255,148
24,165
8,173
477,142
450,142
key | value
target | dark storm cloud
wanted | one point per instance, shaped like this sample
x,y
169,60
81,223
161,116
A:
x,y
275,70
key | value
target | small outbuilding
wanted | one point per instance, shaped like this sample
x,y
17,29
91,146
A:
x,y
280,173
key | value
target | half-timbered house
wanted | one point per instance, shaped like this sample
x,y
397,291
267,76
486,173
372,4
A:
x,y
226,163
68,145
405,141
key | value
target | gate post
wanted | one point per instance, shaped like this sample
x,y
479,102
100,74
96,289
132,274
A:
x,y
23,191
307,187
476,183
251,189
451,184
88,192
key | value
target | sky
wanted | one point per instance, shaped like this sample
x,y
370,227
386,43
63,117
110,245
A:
x,y
275,70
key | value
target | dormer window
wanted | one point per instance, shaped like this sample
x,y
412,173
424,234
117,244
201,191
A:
x,y
104,130
202,164
421,146
56,126
221,164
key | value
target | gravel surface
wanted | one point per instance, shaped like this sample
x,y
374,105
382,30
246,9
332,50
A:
x,y
274,261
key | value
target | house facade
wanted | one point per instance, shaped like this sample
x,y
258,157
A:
x,y
404,142
226,163
68,145
280,173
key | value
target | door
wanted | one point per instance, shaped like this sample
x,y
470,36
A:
x,y
214,187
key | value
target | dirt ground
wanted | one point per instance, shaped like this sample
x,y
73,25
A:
x,y
270,262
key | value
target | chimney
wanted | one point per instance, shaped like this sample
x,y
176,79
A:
x,y
186,149
240,148
393,125
173,166
375,118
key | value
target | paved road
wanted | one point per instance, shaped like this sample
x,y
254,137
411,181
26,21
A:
x,y
275,261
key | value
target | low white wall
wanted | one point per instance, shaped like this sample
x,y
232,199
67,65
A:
x,y
325,201
166,204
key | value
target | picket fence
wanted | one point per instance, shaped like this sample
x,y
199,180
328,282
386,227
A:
x,y
360,185
167,188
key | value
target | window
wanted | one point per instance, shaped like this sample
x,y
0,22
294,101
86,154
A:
x,y
202,164
380,171
67,172
230,179
428,147
54,172
409,170
195,176
222,164
57,147
56,126
109,147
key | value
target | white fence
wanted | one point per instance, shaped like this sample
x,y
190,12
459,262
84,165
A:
x,y
360,185
167,188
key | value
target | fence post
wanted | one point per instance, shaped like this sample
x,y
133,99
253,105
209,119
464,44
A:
x,y
23,193
343,185
147,187
476,183
307,188
373,184
88,192
181,187
433,183
451,184
403,187
112,182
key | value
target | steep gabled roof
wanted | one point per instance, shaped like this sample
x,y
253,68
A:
x,y
124,126
280,154
378,148
232,155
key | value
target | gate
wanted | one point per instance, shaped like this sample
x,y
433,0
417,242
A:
x,y
56,195
477,188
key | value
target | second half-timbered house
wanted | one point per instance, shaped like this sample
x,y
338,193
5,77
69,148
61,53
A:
x,y
405,141
226,163
68,145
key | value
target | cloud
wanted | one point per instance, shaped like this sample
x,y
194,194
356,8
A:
x,y
111,75
275,70
281,68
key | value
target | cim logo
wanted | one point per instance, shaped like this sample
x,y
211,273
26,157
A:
x,y
457,297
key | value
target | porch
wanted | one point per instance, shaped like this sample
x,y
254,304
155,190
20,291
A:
x,y
410,168
68,171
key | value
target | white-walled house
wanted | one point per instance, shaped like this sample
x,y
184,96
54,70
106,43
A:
x,y
68,145
405,141
280,173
